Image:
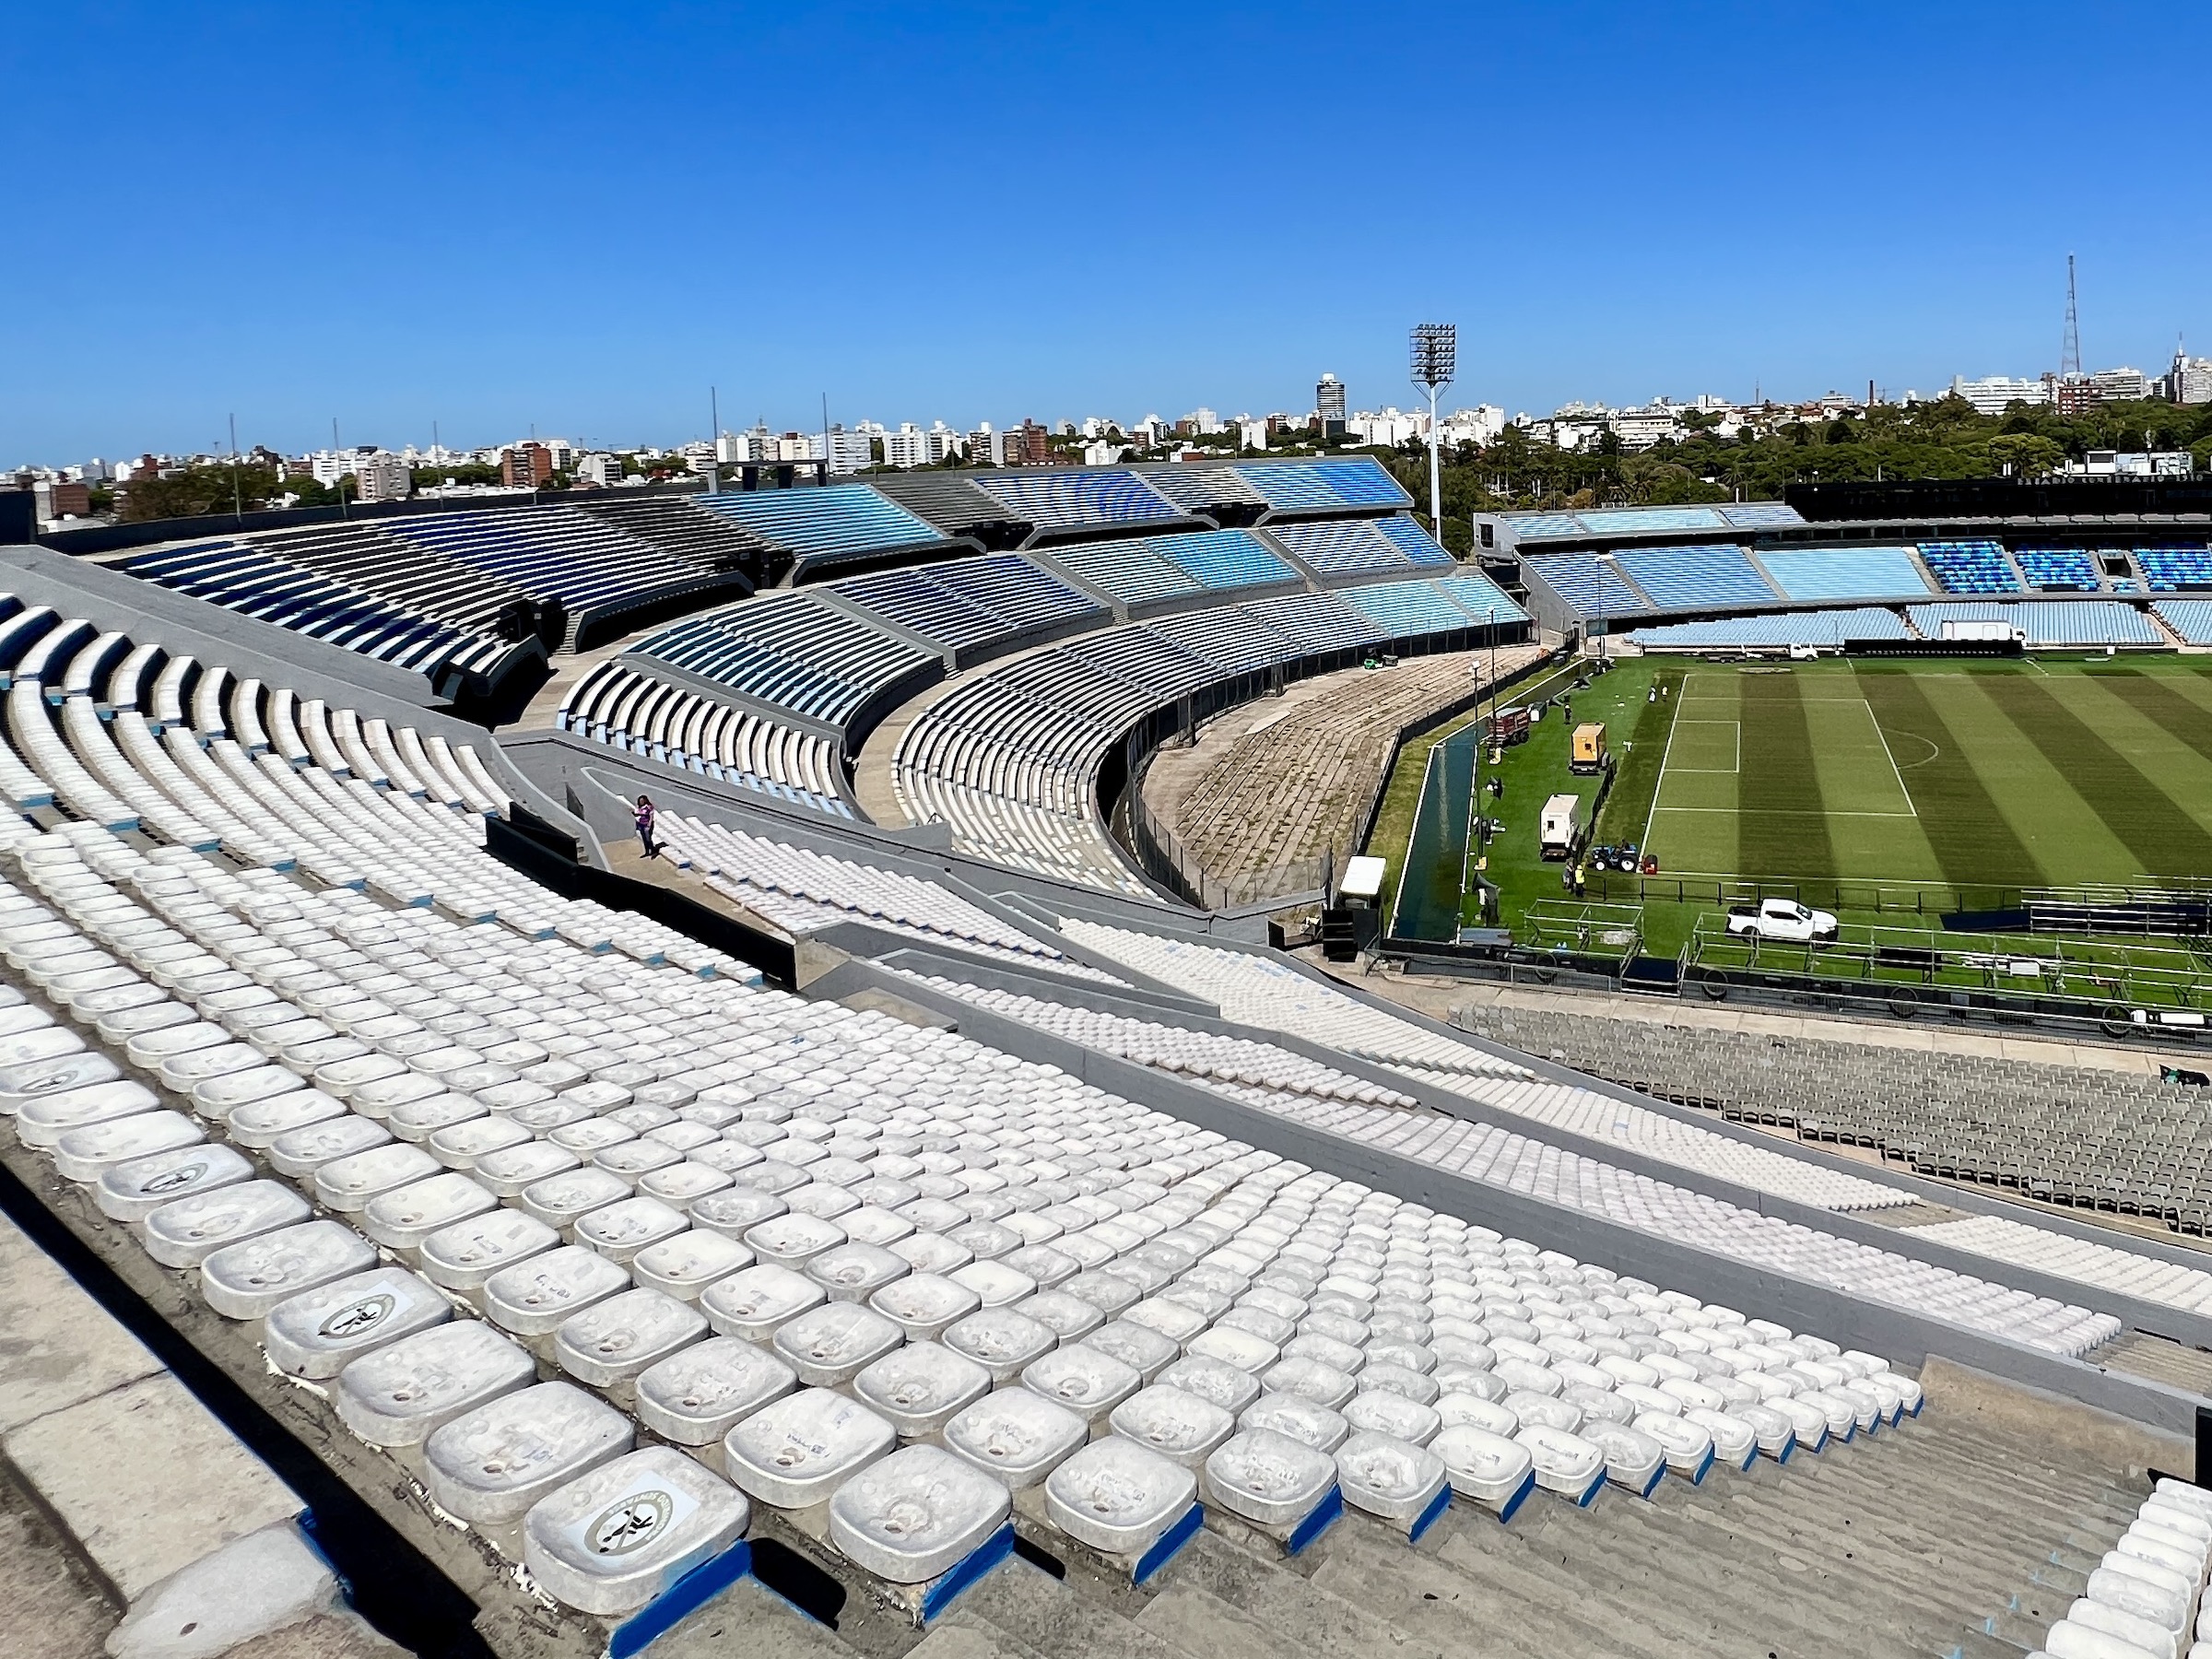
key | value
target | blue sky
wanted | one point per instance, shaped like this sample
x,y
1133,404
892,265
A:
x,y
582,217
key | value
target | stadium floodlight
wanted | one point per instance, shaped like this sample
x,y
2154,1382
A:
x,y
1434,356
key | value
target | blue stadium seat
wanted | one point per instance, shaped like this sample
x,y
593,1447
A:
x,y
1817,573
838,521
788,651
1409,607
2052,568
1129,570
2170,568
1759,516
1587,582
2191,619
1774,630
2047,623
1064,500
968,600
1308,485
1416,543
1223,559
1648,521
1708,576
1969,567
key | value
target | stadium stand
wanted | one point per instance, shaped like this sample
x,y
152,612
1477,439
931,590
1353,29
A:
x,y
2054,568
1010,759
1480,598
2046,622
1218,492
678,524
1831,573
1413,541
1594,586
806,891
1357,547
241,578
2168,568
1323,486
1648,521
599,572
1707,576
954,506
823,526
1774,631
1969,567
2076,1136
361,554
586,1228
971,602
1266,994
1138,570
1296,781
622,704
790,652
2190,619
1079,501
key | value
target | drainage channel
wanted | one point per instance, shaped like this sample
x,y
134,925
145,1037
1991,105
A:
x,y
389,1583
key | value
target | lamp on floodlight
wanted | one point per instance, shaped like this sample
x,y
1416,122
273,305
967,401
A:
x,y
1434,356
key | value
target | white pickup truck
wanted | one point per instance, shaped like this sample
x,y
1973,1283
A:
x,y
1782,918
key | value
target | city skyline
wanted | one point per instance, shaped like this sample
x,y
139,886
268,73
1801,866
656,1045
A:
x,y
453,221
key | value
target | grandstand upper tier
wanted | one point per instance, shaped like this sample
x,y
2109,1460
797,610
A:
x,y
1034,1214
1643,565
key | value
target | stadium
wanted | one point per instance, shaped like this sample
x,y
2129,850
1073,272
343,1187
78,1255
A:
x,y
1080,1121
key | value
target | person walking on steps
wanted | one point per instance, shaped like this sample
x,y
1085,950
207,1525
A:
x,y
646,815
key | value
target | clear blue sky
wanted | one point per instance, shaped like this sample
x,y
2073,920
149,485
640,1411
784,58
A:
x,y
580,217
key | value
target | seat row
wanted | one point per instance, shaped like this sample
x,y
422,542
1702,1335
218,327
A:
x,y
510,1197
617,704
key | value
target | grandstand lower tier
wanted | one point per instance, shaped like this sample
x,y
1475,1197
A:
x,y
2036,625
1214,1285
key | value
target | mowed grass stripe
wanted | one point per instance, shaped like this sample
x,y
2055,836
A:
x,y
1972,842
2155,698
1777,833
2163,838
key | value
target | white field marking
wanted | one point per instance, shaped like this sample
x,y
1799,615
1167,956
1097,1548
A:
x,y
1734,767
1667,755
1894,771
1793,812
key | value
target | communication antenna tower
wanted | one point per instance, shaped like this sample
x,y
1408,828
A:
x,y
1434,356
2069,354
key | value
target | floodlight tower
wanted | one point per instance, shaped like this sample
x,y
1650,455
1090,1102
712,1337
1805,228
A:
x,y
1434,355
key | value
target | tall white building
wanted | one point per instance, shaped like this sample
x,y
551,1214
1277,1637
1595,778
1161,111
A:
x,y
603,470
908,446
382,477
2189,380
2119,385
1992,392
849,451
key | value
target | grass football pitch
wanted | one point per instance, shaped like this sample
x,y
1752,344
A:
x,y
1962,772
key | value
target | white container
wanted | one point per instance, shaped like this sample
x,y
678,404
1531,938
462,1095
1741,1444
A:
x,y
130,1192
247,1280
1383,1475
1181,1426
461,1257
1015,1435
1296,1418
610,1342
489,1465
44,1118
1565,1464
317,1333
403,1218
1483,1467
1081,1379
1311,1380
349,1184
1228,1386
534,1297
828,1345
794,1452
1268,1479
401,1394
1001,1340
683,1266
608,1543
1118,1498
923,1304
186,1232
85,1155
1377,1411
1634,1461
852,1272
752,1302
298,1153
619,1230
916,1514
698,1395
920,1387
